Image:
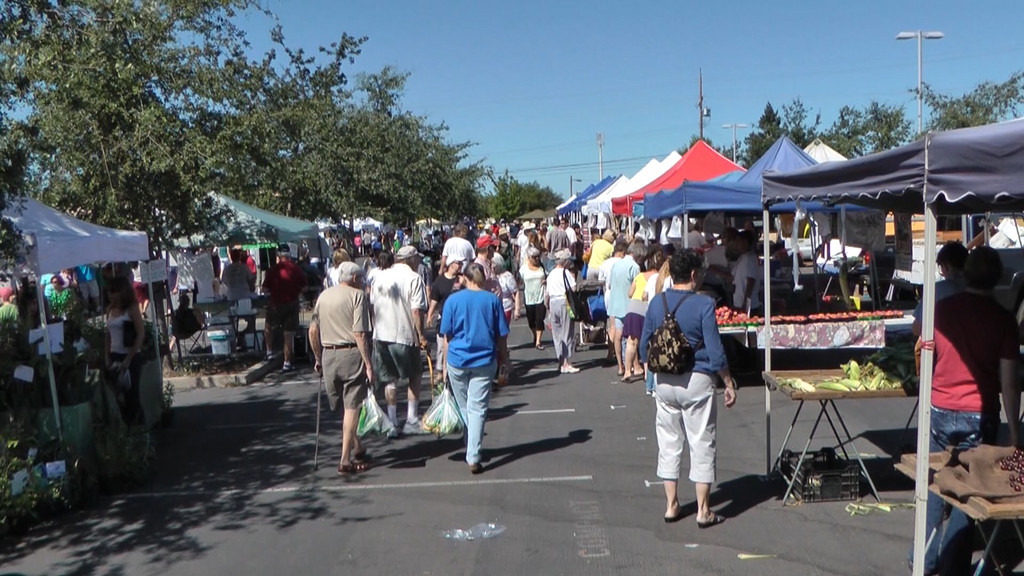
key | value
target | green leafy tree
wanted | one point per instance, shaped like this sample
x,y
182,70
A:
x,y
874,128
987,103
758,141
116,104
512,198
796,123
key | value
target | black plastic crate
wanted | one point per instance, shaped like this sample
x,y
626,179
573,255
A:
x,y
823,477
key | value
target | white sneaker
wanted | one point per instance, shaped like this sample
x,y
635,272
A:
x,y
413,428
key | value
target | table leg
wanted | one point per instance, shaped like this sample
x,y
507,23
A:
x,y
989,542
785,441
840,442
863,468
803,456
906,428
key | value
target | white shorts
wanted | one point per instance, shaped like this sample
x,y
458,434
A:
x,y
686,404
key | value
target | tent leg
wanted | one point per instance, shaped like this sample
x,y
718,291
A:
x,y
767,348
925,394
49,362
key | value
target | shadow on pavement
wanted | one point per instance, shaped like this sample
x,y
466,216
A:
x,y
501,456
195,488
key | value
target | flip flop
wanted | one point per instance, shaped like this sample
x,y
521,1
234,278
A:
x,y
675,517
715,519
362,456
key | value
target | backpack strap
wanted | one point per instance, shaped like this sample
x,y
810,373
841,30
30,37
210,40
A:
x,y
664,301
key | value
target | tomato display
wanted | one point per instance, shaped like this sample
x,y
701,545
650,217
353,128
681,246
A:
x,y
729,317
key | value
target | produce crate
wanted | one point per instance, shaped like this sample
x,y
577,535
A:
x,y
823,477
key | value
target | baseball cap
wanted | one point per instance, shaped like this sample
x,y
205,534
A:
x,y
485,241
6,292
349,271
407,252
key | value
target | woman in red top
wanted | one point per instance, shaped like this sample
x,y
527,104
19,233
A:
x,y
976,350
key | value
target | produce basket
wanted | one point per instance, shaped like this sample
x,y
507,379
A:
x,y
822,477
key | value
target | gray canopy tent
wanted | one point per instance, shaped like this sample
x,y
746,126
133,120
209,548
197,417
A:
x,y
966,171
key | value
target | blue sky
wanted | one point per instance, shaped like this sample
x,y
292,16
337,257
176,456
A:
x,y
532,82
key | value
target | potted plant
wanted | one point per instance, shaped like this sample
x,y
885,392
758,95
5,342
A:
x,y
167,405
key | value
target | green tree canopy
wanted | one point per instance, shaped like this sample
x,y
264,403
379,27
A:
x,y
988,102
512,198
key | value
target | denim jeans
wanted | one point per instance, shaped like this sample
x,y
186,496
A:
x,y
950,549
472,389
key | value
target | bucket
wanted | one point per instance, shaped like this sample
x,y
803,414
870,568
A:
x,y
221,342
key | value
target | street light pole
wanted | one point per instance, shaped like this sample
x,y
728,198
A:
x,y
734,141
571,180
921,36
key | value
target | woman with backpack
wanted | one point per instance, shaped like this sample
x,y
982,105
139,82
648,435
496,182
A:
x,y
682,346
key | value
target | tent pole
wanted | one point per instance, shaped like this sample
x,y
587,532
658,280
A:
x,y
925,393
49,362
686,229
767,348
156,325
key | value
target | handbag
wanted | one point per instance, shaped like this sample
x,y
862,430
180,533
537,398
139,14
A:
x,y
572,300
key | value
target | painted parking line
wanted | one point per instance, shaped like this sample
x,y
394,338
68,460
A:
x,y
297,423
356,487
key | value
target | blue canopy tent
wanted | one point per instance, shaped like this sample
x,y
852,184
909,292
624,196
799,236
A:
x,y
588,194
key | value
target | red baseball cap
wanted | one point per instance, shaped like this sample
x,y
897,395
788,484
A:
x,y
485,241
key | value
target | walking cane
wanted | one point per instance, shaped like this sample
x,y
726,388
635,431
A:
x,y
316,443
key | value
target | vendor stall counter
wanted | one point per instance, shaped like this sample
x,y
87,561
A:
x,y
828,408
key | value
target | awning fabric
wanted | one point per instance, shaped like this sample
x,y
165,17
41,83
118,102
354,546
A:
x,y
971,170
701,162
577,203
740,195
57,241
652,170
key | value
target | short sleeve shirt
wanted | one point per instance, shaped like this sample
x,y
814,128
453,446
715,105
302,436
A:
x,y
395,293
621,277
557,280
340,312
459,247
285,282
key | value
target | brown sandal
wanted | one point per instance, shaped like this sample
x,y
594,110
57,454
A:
x,y
353,468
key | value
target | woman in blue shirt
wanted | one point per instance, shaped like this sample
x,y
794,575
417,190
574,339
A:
x,y
686,402
473,323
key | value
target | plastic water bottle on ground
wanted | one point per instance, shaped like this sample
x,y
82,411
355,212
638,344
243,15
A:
x,y
481,531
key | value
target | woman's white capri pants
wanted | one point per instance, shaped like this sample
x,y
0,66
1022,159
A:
x,y
686,402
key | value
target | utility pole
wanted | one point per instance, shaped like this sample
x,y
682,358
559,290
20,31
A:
x,y
600,155
734,126
700,101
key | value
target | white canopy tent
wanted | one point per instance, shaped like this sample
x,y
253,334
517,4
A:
x,y
55,241
823,152
603,203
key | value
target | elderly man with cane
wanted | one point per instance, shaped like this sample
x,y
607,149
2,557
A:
x,y
339,334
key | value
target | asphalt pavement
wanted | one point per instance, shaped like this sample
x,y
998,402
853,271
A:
x,y
570,475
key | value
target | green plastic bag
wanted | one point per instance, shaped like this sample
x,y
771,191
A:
x,y
444,416
372,419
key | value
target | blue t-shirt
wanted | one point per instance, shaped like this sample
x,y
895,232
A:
x,y
620,278
696,318
473,320
85,273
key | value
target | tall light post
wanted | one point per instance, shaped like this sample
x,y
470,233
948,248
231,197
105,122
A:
x,y
571,180
734,141
921,37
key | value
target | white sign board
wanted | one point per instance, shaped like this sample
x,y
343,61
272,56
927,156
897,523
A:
x,y
153,271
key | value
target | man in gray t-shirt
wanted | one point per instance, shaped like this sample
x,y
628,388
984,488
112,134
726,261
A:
x,y
557,237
